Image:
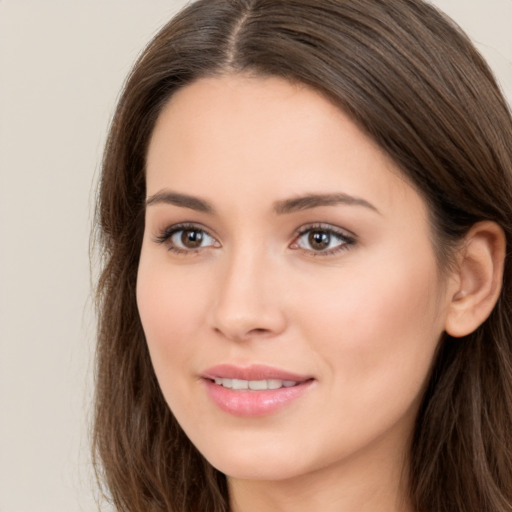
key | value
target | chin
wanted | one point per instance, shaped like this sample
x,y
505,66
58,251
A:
x,y
255,469
255,461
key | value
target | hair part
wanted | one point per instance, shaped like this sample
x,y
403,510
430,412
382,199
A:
x,y
414,83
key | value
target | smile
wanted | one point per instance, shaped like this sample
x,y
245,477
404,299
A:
x,y
254,391
254,385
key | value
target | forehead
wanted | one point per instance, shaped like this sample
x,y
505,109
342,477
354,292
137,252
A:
x,y
264,136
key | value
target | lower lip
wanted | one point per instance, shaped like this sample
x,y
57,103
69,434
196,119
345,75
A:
x,y
254,403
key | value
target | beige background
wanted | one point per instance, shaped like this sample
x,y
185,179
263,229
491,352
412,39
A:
x,y
62,64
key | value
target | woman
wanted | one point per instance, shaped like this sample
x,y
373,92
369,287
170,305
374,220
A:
x,y
305,211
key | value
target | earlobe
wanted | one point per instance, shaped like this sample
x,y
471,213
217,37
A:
x,y
480,274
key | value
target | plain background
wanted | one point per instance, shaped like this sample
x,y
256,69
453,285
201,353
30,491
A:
x,y
62,65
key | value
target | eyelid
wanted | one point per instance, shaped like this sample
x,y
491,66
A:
x,y
348,238
168,232
326,226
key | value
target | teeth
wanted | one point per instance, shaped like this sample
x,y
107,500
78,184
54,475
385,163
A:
x,y
240,384
274,383
258,385
254,385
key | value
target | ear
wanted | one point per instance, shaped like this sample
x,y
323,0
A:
x,y
479,278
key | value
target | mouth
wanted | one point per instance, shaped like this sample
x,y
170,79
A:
x,y
254,385
253,391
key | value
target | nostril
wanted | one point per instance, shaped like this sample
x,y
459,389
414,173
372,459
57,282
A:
x,y
241,335
258,331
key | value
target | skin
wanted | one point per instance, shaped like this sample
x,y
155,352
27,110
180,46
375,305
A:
x,y
364,321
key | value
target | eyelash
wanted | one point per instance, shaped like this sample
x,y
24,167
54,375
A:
x,y
165,238
346,240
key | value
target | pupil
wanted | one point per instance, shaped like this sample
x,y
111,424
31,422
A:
x,y
319,240
191,238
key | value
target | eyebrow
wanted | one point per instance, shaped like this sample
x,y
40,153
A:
x,y
182,200
285,206
316,200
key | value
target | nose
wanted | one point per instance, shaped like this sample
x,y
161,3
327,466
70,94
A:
x,y
248,301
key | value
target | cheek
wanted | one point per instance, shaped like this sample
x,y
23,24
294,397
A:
x,y
171,317
377,331
170,314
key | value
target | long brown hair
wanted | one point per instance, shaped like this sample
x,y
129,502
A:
x,y
414,82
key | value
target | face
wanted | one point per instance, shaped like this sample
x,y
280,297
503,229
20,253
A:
x,y
288,286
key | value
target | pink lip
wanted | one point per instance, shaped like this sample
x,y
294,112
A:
x,y
249,403
252,372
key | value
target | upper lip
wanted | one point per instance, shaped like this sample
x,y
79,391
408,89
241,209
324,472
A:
x,y
252,372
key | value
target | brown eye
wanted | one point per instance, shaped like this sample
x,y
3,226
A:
x,y
183,239
323,240
319,240
192,238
